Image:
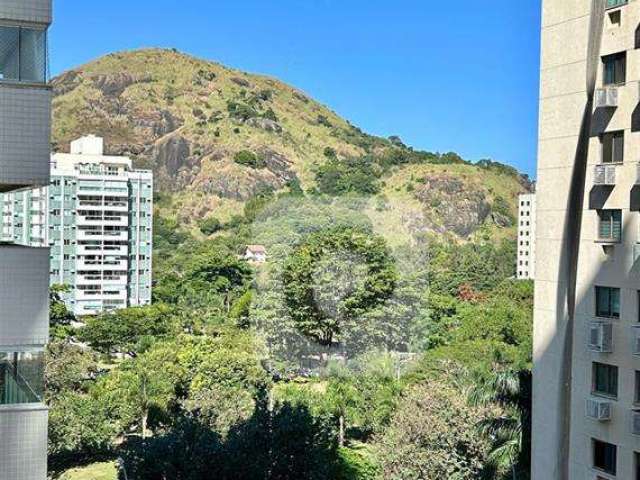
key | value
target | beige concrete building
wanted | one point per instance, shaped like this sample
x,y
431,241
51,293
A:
x,y
525,268
586,400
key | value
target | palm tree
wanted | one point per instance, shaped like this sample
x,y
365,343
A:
x,y
510,431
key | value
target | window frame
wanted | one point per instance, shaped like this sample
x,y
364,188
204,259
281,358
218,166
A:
x,y
611,69
41,68
610,311
612,238
611,137
613,470
612,382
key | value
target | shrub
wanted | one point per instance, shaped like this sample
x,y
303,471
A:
x,y
323,120
270,115
209,225
249,159
352,175
330,152
240,111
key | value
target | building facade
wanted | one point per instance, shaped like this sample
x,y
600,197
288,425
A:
x,y
97,217
25,112
586,382
526,237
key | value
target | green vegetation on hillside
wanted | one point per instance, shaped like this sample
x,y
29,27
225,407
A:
x,y
383,338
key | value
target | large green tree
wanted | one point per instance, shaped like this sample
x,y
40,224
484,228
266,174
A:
x,y
334,278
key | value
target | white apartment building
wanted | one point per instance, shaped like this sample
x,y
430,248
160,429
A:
x,y
525,269
586,378
97,217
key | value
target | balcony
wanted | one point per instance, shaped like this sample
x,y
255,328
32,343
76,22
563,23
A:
x,y
600,337
606,97
604,175
597,409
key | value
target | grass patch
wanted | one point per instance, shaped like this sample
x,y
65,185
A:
x,y
96,471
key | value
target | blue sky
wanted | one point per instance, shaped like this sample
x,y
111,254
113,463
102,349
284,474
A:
x,y
445,76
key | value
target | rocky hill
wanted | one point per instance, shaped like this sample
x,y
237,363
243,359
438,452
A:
x,y
215,137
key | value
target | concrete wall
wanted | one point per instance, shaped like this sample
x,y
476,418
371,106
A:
x,y
24,299
563,96
565,25
25,124
31,11
23,430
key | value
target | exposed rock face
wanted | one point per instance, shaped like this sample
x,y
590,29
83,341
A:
x,y
113,85
66,82
265,124
171,156
454,206
241,81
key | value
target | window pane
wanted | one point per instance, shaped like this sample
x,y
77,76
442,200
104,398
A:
x,y
33,55
620,68
615,302
607,148
605,224
602,302
9,46
605,379
616,221
21,377
618,147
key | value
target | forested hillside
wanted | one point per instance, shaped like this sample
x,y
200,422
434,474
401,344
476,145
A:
x,y
216,137
383,338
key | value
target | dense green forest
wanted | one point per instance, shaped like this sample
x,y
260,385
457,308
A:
x,y
341,357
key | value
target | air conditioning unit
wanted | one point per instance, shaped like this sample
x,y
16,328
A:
x,y
635,348
606,97
598,409
601,337
605,175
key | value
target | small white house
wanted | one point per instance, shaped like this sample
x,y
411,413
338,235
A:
x,y
255,253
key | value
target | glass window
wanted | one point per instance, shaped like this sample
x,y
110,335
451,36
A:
x,y
23,54
21,377
616,3
610,225
9,53
605,457
605,379
615,68
636,390
612,147
608,302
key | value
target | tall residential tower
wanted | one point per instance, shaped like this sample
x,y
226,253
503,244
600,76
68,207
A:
x,y
97,217
586,391
25,112
525,269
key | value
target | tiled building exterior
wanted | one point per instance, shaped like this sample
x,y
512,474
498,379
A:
x,y
25,112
